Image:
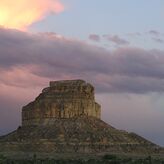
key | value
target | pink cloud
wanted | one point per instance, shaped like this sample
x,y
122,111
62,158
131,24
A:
x,y
48,56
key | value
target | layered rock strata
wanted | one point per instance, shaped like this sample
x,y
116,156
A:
x,y
65,119
61,100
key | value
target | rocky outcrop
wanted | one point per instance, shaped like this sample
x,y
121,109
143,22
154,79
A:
x,y
62,99
65,119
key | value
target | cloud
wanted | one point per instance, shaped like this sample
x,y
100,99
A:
x,y
154,33
116,39
156,36
158,40
28,60
94,37
22,13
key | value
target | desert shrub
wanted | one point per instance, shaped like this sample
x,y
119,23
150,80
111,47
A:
x,y
109,157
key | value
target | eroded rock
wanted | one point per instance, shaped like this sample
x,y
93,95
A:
x,y
62,99
65,120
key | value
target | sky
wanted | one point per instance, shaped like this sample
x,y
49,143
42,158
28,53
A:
x,y
118,46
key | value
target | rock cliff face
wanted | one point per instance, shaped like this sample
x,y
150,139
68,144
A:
x,y
65,119
62,99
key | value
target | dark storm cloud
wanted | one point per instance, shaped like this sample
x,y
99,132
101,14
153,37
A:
x,y
51,56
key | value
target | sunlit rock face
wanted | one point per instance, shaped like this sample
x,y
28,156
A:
x,y
62,99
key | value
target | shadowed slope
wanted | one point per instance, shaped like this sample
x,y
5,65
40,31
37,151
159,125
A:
x,y
83,135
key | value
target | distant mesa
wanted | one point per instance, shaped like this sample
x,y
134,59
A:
x,y
61,100
64,120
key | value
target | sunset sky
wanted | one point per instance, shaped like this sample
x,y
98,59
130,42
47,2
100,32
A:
x,y
117,45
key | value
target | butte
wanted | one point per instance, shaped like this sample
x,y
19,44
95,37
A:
x,y
65,121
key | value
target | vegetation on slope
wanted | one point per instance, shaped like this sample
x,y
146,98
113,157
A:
x,y
107,159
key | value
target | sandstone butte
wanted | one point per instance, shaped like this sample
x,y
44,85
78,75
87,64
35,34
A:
x,y
65,121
